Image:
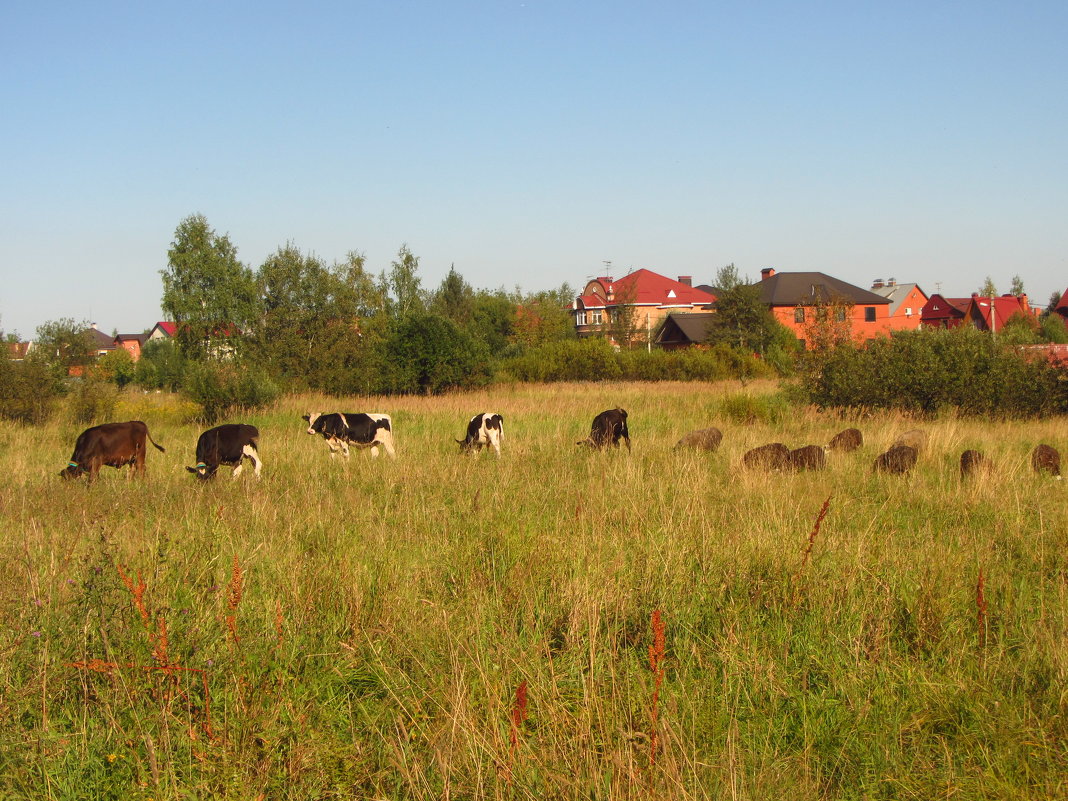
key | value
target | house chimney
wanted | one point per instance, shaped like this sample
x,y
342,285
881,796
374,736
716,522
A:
x,y
686,279
93,326
877,283
767,273
891,282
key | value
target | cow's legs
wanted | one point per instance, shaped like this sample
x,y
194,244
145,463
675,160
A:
x,y
387,443
374,450
251,453
237,470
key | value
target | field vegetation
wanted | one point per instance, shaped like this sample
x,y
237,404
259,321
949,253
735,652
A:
x,y
556,624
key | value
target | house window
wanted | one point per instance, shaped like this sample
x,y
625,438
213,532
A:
x,y
580,318
596,317
839,315
799,314
908,311
869,314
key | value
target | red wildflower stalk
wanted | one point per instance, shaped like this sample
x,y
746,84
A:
x,y
814,533
159,652
980,607
137,591
656,665
519,714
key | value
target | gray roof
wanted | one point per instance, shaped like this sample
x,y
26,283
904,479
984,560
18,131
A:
x,y
895,294
809,289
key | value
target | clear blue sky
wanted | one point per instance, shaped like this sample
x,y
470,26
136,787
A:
x,y
527,142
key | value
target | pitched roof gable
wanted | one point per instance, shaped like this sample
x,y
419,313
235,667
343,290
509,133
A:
x,y
648,288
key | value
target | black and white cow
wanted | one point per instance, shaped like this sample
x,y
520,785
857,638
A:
x,y
483,430
230,445
359,429
607,429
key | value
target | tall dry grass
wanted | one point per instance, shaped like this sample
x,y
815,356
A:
x,y
362,628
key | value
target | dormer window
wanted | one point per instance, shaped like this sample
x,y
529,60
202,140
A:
x,y
671,293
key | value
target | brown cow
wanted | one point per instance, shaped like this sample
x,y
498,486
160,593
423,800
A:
x,y
973,462
848,440
810,457
1046,459
607,428
704,439
111,444
773,456
899,459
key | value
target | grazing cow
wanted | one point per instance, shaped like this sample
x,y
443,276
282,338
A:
x,y
899,459
353,428
483,430
111,444
1046,459
810,457
230,445
973,462
848,440
915,439
773,456
704,439
607,428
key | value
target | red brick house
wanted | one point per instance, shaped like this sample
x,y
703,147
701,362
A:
x,y
906,301
991,314
131,343
650,296
800,300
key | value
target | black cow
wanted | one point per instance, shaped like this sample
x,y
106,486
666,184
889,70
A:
x,y
361,430
810,457
230,445
973,462
848,440
111,444
483,430
773,456
607,428
899,459
1046,459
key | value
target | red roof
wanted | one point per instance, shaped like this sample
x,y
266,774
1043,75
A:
x,y
648,288
1005,307
170,329
590,302
1062,304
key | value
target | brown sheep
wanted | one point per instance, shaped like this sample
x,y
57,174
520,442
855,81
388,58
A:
x,y
848,440
916,439
973,462
1046,459
704,439
810,457
899,459
773,456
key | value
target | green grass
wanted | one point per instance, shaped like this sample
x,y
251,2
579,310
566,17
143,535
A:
x,y
390,609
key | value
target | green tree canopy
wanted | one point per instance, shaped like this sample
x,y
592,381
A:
x,y
63,344
429,354
207,292
741,319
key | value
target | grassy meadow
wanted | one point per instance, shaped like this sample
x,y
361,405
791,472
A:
x,y
449,627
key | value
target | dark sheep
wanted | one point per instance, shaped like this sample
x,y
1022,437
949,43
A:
x,y
848,440
898,460
973,462
1046,459
810,457
773,456
704,439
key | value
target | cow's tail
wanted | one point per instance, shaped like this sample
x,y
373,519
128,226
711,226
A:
x,y
159,447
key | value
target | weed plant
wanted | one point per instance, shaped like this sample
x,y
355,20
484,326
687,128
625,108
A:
x,y
555,624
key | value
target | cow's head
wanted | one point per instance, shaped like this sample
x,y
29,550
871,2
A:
x,y
310,418
202,471
72,470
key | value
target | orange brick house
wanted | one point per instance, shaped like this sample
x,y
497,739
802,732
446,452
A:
x,y
649,295
132,343
800,300
906,301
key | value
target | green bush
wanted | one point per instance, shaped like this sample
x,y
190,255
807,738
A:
x,y
161,366
28,390
745,409
430,354
92,400
929,371
222,388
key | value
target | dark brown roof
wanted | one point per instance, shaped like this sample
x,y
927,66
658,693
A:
x,y
685,328
809,289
